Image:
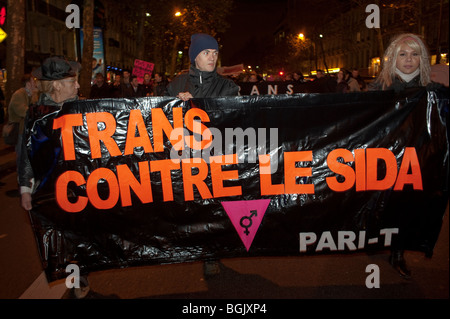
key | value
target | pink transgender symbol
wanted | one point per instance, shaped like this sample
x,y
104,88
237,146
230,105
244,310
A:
x,y
246,216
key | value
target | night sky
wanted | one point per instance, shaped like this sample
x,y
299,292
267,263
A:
x,y
252,22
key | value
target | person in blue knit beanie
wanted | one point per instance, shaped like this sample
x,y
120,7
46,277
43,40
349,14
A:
x,y
202,80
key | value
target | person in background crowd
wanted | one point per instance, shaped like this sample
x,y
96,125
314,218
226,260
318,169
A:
x,y
254,78
298,77
160,85
243,78
19,104
320,74
100,89
126,76
127,90
202,80
289,77
136,88
147,85
342,85
359,79
353,85
322,83
405,65
116,87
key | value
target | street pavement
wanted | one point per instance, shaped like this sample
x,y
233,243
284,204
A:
x,y
337,276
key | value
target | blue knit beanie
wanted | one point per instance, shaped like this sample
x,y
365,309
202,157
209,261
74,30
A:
x,y
200,42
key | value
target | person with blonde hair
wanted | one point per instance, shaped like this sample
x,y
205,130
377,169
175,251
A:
x,y
406,63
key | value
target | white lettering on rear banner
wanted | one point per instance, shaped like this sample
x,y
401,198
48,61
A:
x,y
343,240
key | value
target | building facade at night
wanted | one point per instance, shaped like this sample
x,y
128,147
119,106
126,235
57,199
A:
x,y
341,37
47,34
336,30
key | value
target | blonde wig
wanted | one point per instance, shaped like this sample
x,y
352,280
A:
x,y
387,74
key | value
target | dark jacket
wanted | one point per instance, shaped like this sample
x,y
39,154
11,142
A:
x,y
116,90
147,89
135,92
101,92
342,87
202,84
398,84
159,89
28,174
127,90
322,85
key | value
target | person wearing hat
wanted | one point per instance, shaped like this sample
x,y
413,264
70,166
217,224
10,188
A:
x,y
202,80
58,83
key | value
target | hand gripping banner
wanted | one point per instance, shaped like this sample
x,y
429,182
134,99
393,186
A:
x,y
129,182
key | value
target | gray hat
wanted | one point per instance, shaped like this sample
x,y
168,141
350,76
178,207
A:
x,y
56,68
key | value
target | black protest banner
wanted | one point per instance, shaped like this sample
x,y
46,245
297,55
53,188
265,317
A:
x,y
128,182
322,85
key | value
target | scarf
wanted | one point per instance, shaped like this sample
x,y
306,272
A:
x,y
46,99
407,77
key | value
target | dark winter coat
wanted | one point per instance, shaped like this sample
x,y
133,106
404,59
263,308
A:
x,y
41,169
202,84
101,92
398,84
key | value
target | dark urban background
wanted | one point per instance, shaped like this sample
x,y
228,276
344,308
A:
x,y
265,37
262,36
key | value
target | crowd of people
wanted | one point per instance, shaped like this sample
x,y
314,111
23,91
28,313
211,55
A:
x,y
341,82
406,64
125,85
345,80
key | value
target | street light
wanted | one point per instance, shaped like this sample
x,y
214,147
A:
x,y
301,36
323,51
175,46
